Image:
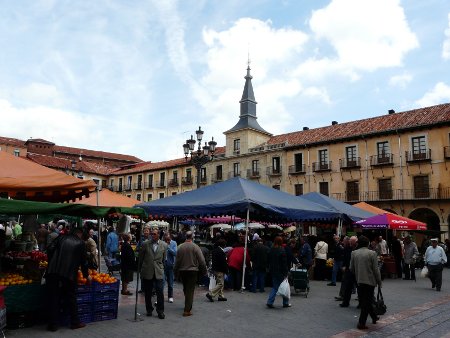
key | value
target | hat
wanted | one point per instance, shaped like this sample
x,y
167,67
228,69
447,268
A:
x,y
434,240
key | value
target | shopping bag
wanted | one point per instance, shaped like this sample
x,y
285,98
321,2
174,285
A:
x,y
380,308
424,273
284,289
212,282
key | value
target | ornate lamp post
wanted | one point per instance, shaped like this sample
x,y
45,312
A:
x,y
202,155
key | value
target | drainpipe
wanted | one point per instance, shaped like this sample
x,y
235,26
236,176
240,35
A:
x,y
367,169
309,174
401,162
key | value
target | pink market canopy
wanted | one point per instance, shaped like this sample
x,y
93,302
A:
x,y
390,221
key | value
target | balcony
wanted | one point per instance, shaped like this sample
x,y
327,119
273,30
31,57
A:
x,y
253,173
138,186
120,188
297,169
350,163
187,180
396,195
216,178
273,171
128,187
423,156
382,160
447,153
232,174
203,180
321,166
161,184
174,182
148,185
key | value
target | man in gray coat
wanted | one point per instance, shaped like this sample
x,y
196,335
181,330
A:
x,y
364,265
151,266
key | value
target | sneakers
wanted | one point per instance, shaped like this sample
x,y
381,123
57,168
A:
x,y
170,300
209,297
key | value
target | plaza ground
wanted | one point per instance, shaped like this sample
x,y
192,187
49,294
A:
x,y
414,310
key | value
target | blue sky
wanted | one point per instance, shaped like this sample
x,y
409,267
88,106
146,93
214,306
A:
x,y
138,77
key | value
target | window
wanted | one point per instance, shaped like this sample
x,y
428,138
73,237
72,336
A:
x,y
139,182
276,186
149,197
276,165
350,156
96,181
162,179
138,197
174,193
352,191
16,152
219,170
129,180
385,188
323,188
383,149
298,162
111,183
419,147
120,183
236,146
298,189
128,195
421,187
236,169
175,175
161,195
323,159
150,181
255,168
203,174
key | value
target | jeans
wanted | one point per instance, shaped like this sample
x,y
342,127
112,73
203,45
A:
x,y
258,280
337,265
148,285
168,276
276,281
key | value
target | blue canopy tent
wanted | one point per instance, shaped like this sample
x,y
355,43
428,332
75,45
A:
x,y
347,212
240,197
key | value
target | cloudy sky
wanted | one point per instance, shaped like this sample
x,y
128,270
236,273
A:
x,y
139,77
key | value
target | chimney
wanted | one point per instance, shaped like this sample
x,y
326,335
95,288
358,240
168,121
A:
x,y
305,128
391,111
333,123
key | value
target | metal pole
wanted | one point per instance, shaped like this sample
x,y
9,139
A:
x,y
198,167
245,249
99,233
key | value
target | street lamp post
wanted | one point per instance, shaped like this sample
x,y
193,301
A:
x,y
202,155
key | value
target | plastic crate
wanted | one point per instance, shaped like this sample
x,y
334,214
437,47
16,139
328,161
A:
x,y
104,315
106,296
84,308
83,317
99,287
110,305
84,288
84,298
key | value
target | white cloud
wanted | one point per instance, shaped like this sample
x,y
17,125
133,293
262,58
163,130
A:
x,y
446,45
317,93
401,80
318,70
366,34
440,93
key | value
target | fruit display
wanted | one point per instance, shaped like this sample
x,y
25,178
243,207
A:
x,y
102,278
33,255
14,279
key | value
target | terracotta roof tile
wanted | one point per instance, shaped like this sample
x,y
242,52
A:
x,y
95,153
63,164
12,142
144,166
375,125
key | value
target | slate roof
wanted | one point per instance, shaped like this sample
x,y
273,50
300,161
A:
x,y
408,120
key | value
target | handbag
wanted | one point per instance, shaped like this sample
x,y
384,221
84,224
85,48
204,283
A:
x,y
380,308
284,289
212,282
424,273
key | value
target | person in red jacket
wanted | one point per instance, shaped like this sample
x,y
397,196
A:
x,y
236,264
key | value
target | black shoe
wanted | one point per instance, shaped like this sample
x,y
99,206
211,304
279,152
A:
x,y
374,320
149,314
210,297
339,299
287,305
362,327
222,299
343,305
161,315
270,306
331,284
52,328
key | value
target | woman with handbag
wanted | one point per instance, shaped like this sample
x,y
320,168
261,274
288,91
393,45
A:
x,y
278,270
320,259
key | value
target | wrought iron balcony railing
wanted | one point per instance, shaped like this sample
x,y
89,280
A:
x,y
350,163
321,166
381,160
412,156
297,169
274,171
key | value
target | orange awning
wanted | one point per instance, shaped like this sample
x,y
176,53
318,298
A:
x,y
370,208
107,198
27,180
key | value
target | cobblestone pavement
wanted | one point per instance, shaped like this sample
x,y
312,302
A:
x,y
414,310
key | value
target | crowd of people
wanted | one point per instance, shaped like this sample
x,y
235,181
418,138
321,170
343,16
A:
x,y
162,257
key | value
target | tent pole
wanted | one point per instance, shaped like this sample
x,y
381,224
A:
x,y
245,249
99,232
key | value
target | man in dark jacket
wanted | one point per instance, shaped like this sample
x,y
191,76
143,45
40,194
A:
x,y
259,265
65,255
220,268
278,270
348,279
338,259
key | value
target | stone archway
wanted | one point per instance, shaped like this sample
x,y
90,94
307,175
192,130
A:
x,y
427,216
